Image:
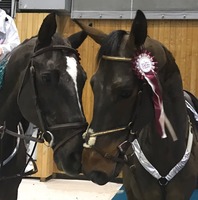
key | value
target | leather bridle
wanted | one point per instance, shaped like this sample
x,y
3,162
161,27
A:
x,y
79,127
121,157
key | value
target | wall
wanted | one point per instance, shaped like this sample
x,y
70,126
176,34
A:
x,y
116,9
180,36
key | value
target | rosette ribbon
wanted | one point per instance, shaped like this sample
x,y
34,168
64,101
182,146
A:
x,y
144,65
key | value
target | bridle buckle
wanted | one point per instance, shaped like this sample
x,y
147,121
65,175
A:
x,y
2,130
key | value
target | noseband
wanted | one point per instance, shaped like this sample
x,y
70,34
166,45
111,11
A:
x,y
90,138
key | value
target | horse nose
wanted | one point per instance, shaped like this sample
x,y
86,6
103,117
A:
x,y
75,158
98,177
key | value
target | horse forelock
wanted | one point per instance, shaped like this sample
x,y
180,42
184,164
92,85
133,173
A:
x,y
111,44
59,40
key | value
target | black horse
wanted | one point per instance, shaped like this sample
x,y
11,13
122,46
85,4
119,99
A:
x,y
139,103
43,84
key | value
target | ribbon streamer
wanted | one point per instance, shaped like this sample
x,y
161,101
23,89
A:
x,y
145,67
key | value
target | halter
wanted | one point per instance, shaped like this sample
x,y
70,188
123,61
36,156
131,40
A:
x,y
90,136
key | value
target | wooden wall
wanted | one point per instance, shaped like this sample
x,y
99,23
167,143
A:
x,y
181,37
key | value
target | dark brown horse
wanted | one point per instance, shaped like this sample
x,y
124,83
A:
x,y
43,84
140,119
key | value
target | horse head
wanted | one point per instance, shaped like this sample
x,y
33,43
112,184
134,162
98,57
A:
x,y
123,103
50,94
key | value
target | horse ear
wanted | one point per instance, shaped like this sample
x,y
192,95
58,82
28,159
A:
x,y
47,30
77,38
138,32
97,35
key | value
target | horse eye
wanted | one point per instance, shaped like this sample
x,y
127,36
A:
x,y
55,76
51,77
46,77
125,93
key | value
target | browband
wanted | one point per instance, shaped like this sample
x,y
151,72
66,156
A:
x,y
117,58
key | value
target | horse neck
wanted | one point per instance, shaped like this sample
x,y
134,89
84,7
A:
x,y
173,96
167,149
9,110
175,110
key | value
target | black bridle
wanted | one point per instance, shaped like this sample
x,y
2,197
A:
x,y
79,127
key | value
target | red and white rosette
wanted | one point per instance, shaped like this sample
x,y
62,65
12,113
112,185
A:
x,y
144,65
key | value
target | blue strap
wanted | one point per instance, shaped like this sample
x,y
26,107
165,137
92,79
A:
x,y
3,63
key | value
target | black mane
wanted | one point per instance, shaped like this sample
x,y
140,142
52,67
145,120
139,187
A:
x,y
111,44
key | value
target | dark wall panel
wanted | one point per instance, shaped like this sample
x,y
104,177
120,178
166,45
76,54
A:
x,y
125,9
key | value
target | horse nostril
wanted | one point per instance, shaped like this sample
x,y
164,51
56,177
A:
x,y
98,177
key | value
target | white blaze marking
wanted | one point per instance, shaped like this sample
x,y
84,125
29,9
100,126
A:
x,y
72,71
